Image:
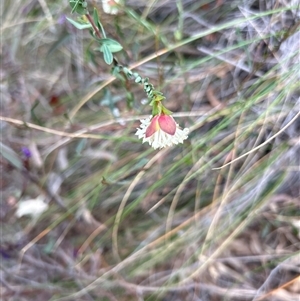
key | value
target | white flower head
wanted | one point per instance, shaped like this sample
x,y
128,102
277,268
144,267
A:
x,y
110,6
161,131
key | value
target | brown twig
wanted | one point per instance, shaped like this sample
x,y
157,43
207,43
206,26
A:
x,y
97,32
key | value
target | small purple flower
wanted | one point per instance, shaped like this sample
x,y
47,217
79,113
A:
x,y
62,19
26,152
4,254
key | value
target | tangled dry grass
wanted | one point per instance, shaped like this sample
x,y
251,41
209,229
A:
x,y
125,222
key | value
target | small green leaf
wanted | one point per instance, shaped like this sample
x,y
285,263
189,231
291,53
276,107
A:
x,y
78,6
101,29
107,55
10,156
74,5
112,45
79,25
95,16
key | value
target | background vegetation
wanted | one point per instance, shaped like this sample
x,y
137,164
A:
x,y
126,222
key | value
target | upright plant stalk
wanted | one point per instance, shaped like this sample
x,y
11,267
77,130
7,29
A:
x,y
160,129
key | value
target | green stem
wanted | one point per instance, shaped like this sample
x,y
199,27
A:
x,y
152,94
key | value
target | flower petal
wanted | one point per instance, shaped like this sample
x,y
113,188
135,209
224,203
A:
x,y
153,127
167,124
